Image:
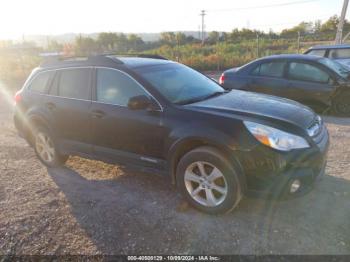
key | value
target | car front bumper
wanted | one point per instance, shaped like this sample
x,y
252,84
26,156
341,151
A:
x,y
271,174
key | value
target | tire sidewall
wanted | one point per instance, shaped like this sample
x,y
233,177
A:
x,y
209,155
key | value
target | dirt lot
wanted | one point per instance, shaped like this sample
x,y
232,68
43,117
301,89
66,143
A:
x,y
92,208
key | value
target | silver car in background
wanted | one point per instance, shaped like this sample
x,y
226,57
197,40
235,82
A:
x,y
340,53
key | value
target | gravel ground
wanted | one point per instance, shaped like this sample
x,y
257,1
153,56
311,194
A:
x,y
89,207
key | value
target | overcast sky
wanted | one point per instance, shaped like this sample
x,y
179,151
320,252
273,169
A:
x,y
85,16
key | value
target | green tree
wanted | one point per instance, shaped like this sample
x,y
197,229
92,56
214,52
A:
x,y
330,25
135,42
303,28
181,38
53,45
168,38
213,37
107,41
85,46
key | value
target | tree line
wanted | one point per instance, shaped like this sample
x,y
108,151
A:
x,y
221,50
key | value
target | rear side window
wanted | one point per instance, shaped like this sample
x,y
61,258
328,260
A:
x,y
306,72
339,53
40,82
321,52
272,69
115,87
74,83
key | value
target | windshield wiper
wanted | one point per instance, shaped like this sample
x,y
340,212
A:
x,y
215,94
198,99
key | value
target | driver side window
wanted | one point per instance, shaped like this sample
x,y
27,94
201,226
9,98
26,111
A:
x,y
115,87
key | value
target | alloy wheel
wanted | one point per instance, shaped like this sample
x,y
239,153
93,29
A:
x,y
44,147
205,183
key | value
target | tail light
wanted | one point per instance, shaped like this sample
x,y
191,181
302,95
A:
x,y
18,96
222,79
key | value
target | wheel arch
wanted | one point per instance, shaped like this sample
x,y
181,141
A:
x,y
180,148
34,121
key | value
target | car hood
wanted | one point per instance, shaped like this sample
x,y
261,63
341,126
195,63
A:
x,y
257,105
345,62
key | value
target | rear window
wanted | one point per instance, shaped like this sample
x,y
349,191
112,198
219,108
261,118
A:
x,y
339,53
40,82
272,69
74,83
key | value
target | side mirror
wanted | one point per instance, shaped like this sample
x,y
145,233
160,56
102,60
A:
x,y
139,102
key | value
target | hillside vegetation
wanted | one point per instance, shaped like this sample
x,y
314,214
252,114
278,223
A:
x,y
219,51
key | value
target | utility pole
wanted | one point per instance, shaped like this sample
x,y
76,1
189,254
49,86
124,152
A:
x,y
178,48
298,42
203,14
257,46
339,36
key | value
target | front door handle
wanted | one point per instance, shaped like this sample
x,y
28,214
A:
x,y
98,114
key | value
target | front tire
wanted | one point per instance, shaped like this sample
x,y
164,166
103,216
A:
x,y
208,181
45,148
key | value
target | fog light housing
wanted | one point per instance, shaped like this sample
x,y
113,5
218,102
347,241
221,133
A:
x,y
295,186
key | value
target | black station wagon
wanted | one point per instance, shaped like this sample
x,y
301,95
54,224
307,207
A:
x,y
163,117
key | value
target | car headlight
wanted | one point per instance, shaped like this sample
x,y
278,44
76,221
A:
x,y
276,138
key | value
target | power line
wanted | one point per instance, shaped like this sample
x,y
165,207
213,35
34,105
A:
x,y
295,22
263,6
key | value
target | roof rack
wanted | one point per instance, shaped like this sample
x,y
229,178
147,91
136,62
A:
x,y
98,58
58,59
155,56
115,55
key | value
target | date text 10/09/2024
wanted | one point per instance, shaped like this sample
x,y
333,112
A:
x,y
173,258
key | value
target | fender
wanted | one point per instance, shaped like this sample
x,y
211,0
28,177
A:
x,y
189,137
36,115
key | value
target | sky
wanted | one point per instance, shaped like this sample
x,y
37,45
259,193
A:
x,y
53,17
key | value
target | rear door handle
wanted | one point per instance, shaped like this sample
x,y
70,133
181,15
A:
x,y
98,114
50,105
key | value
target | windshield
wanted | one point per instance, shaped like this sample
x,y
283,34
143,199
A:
x,y
180,84
340,69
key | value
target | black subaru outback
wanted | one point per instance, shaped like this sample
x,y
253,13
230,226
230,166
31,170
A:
x,y
163,117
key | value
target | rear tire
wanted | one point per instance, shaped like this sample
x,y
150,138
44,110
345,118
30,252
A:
x,y
45,148
208,181
341,104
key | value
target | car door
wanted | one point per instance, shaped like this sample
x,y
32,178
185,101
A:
x,y
69,101
268,78
309,83
121,134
